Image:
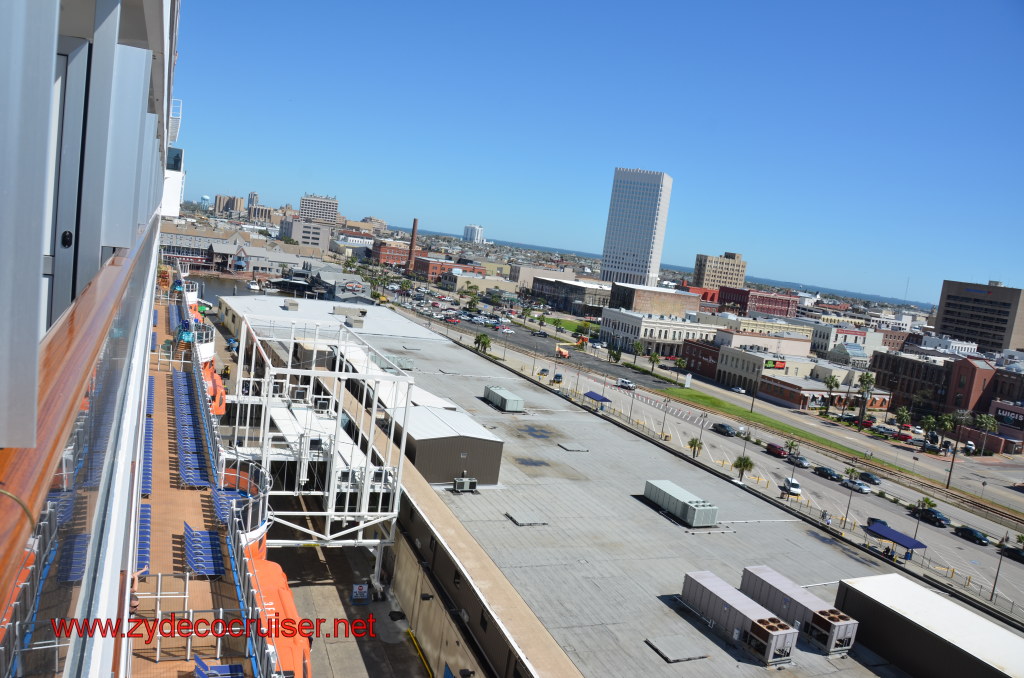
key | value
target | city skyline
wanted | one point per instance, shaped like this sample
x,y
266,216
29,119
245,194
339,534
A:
x,y
846,146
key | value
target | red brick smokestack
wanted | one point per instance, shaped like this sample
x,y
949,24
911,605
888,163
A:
x,y
412,245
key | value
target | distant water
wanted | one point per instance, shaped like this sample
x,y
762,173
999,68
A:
x,y
800,287
212,288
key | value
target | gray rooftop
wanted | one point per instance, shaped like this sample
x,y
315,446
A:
x,y
425,423
602,572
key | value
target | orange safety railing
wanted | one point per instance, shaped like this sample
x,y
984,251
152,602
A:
x,y
67,355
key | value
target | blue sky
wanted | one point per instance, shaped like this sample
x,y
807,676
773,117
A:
x,y
853,145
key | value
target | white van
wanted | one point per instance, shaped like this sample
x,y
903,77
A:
x,y
626,384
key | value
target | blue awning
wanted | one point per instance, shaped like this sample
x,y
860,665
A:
x,y
594,395
889,534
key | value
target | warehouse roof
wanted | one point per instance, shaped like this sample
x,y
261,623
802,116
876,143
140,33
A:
x,y
426,423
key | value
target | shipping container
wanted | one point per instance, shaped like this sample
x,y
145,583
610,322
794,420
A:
x,y
822,624
690,509
503,399
738,618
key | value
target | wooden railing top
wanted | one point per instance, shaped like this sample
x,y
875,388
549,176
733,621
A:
x,y
68,354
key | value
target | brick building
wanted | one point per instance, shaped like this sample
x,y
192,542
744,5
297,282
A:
x,y
392,252
431,269
745,302
656,300
701,357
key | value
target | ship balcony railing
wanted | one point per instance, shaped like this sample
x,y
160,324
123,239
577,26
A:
x,y
203,334
190,286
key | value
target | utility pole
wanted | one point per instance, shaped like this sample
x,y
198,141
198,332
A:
x,y
1002,546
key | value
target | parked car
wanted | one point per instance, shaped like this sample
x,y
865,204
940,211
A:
x,y
870,478
798,461
971,534
508,330
855,485
930,515
904,436
877,521
931,447
557,379
791,486
724,429
543,372
626,384
776,450
917,430
540,333
848,417
826,472
737,389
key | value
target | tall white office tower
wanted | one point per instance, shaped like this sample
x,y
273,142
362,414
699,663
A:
x,y
473,233
636,226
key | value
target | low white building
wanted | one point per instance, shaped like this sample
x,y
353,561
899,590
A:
x,y
946,343
659,334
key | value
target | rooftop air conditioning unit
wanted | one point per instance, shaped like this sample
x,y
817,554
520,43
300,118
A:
x,y
463,484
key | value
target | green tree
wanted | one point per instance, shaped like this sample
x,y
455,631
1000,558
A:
x,y
902,416
482,343
851,472
928,423
556,322
655,359
985,423
289,241
921,397
615,355
584,329
831,385
926,502
638,348
792,446
680,364
695,446
946,426
745,464
542,320
865,386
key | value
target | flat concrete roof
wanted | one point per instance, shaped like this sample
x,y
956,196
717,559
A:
x,y
377,321
602,570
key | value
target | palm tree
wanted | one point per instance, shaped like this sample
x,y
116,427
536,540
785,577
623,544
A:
x,y
695,445
851,472
946,425
556,322
987,424
638,348
680,364
831,384
959,420
902,416
615,355
922,503
655,359
792,446
744,464
543,319
584,329
482,343
865,385
928,423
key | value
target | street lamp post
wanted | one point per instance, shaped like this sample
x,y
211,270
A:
x,y
949,478
632,400
1002,545
984,484
700,423
664,418
848,504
